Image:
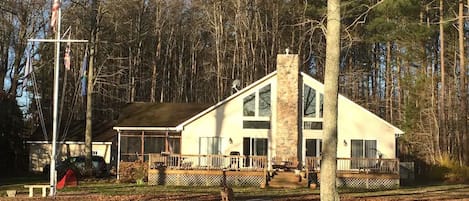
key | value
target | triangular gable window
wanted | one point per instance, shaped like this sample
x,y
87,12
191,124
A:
x,y
257,109
312,108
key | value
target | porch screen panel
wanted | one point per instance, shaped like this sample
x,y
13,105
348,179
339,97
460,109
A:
x,y
154,145
130,148
175,145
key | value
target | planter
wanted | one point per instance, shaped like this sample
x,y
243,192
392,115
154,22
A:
x,y
11,193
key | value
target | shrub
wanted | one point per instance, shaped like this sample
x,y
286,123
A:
x,y
133,171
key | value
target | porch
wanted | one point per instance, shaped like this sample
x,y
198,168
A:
x,y
235,170
206,170
367,173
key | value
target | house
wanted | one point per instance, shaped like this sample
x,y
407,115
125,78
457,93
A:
x,y
71,144
274,123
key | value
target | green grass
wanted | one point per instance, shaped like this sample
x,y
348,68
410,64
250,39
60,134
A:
x,y
111,187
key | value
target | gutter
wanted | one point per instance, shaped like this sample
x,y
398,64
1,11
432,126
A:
x,y
133,128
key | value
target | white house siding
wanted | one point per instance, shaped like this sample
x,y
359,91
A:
x,y
39,153
358,123
226,121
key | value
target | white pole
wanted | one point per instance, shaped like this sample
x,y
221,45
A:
x,y
118,153
53,174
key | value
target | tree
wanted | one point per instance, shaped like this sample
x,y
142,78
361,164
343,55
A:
x,y
89,95
331,87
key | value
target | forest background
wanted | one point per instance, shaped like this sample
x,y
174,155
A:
x,y
404,60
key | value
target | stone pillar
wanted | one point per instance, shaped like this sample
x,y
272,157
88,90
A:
x,y
288,127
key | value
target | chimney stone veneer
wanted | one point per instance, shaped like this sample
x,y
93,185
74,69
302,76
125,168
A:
x,y
287,128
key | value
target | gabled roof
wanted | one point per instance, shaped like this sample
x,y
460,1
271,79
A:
x,y
174,116
156,116
102,132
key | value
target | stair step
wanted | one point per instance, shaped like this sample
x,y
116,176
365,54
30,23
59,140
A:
x,y
287,180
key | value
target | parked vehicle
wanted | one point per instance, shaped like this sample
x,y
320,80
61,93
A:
x,y
77,164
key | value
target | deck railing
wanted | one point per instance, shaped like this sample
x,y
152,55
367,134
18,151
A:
x,y
259,163
207,162
366,165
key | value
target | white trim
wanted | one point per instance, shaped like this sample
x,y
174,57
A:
x,y
181,126
66,142
136,128
118,153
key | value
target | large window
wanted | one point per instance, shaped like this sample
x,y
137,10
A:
x,y
312,105
362,149
249,107
264,101
321,105
257,109
263,106
309,102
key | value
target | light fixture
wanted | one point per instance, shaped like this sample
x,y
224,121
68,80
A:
x,y
345,142
230,140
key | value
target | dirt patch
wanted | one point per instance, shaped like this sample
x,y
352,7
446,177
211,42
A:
x,y
451,192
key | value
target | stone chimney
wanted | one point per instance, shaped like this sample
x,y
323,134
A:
x,y
288,128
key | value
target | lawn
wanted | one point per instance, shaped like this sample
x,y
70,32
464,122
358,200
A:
x,y
109,189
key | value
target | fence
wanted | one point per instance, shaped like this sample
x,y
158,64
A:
x,y
366,165
207,162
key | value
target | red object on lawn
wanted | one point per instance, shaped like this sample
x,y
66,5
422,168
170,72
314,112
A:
x,y
69,179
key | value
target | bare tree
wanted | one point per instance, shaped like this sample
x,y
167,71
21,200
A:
x,y
331,87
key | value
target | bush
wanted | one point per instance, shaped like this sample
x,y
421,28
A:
x,y
456,173
133,171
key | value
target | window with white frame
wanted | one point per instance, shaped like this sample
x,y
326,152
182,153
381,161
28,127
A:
x,y
257,109
362,150
312,108
210,145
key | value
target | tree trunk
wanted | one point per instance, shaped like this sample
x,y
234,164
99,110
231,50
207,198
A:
x,y
89,94
389,83
441,104
156,59
329,157
462,66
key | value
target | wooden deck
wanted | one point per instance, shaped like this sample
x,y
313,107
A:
x,y
212,170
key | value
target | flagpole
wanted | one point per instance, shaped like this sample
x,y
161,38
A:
x,y
53,172
53,156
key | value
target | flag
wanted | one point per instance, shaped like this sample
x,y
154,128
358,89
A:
x,y
67,55
55,14
83,72
28,69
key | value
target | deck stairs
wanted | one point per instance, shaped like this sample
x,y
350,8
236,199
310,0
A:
x,y
287,179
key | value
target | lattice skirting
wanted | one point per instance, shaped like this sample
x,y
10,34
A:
x,y
365,183
198,179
